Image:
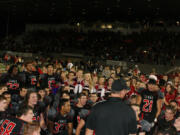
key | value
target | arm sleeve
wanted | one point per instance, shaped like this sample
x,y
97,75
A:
x,y
3,78
70,120
132,122
160,95
140,90
91,120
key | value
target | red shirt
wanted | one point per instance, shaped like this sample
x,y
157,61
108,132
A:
x,y
178,100
170,97
132,91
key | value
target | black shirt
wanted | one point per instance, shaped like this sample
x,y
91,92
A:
x,y
3,114
149,104
61,125
77,117
83,115
31,79
48,81
112,117
164,125
13,83
11,126
37,112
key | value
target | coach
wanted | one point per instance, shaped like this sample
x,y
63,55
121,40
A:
x,y
112,117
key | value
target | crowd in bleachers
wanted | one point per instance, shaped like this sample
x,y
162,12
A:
x,y
152,47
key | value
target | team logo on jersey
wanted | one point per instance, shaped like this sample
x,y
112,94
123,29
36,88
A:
x,y
60,126
33,80
51,82
7,127
13,84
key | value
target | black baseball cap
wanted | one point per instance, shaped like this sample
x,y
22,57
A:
x,y
152,81
119,85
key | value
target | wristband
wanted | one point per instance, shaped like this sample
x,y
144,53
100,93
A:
x,y
155,120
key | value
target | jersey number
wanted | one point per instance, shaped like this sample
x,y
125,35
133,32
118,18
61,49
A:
x,y
58,127
50,83
147,105
8,129
78,119
33,81
13,85
35,118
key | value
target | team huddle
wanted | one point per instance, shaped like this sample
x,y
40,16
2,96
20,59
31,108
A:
x,y
53,101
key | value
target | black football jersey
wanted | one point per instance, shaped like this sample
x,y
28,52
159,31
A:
x,y
3,114
149,104
77,116
48,81
11,126
37,112
31,79
12,82
61,125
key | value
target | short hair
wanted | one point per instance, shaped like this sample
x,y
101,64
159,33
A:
x,y
11,68
94,93
174,101
50,65
81,95
134,78
2,85
110,78
162,82
31,127
65,92
23,88
133,96
71,72
2,98
62,102
23,110
28,62
58,69
101,77
6,93
86,92
80,70
169,107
